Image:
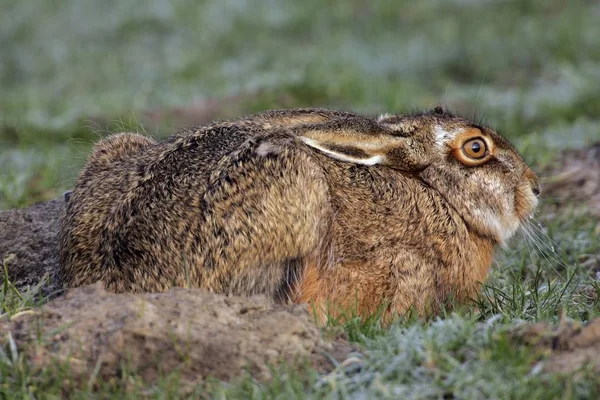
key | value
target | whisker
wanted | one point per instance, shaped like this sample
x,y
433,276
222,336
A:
x,y
553,245
528,239
537,242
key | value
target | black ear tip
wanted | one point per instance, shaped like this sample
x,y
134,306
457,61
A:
x,y
67,195
438,111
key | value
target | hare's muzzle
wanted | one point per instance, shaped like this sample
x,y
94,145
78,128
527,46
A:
x,y
526,196
533,182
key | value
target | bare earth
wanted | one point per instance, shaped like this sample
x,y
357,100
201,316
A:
x,y
29,237
575,178
195,333
568,347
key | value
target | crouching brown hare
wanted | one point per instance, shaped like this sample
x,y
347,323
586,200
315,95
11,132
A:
x,y
331,208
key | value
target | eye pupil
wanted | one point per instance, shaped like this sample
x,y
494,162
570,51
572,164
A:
x,y
476,147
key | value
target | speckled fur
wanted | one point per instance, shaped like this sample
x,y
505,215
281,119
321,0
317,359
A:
x,y
255,206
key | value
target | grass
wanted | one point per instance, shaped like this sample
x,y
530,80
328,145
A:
x,y
469,353
73,71
13,301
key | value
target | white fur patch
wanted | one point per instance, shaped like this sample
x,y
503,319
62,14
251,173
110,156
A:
x,y
373,160
502,228
442,136
383,116
266,148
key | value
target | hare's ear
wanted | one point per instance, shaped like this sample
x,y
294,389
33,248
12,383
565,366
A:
x,y
367,142
349,146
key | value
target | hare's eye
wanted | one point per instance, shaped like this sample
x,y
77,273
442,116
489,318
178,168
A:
x,y
475,148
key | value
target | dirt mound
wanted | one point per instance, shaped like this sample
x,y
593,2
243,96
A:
x,y
568,348
31,235
575,177
195,333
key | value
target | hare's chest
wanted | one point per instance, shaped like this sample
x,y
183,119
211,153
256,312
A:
x,y
396,240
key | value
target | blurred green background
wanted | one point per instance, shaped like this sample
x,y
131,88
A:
x,y
72,71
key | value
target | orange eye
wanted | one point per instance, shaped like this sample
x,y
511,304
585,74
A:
x,y
475,149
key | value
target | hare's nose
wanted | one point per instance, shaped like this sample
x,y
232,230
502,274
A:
x,y
535,188
533,181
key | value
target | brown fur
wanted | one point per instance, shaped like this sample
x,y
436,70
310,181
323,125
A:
x,y
310,205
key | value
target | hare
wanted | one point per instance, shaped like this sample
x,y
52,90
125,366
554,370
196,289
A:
x,y
331,208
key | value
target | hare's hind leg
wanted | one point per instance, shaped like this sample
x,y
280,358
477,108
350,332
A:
x,y
264,216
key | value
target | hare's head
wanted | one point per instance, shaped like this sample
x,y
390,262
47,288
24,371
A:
x,y
471,166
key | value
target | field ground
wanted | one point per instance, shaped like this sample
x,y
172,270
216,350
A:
x,y
73,71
